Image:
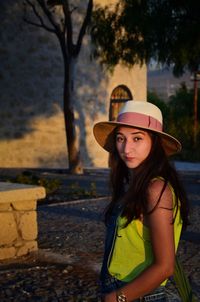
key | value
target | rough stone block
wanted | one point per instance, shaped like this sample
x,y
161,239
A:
x,y
7,252
18,243
28,225
29,205
5,207
28,247
8,228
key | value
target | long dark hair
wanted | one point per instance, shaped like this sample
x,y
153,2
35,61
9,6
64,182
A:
x,y
135,200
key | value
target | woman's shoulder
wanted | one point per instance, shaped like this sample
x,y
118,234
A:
x,y
157,184
160,184
159,190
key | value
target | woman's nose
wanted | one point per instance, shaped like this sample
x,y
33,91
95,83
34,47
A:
x,y
127,147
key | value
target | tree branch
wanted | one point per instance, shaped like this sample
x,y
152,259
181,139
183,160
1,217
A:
x,y
36,13
68,26
49,15
84,26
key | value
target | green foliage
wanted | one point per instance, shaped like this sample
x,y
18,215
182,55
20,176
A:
x,y
154,98
136,31
51,185
103,37
179,121
181,103
75,191
182,122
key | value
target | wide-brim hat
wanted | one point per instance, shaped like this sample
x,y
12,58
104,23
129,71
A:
x,y
137,114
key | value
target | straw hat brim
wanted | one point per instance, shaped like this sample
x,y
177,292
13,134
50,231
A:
x,y
105,136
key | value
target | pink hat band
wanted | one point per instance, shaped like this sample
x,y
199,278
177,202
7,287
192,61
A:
x,y
139,119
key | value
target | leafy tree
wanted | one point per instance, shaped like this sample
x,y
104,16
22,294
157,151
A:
x,y
156,100
55,16
180,103
182,119
178,117
135,31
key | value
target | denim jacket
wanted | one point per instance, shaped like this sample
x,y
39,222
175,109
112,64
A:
x,y
109,244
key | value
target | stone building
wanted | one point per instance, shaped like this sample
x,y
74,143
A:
x,y
32,131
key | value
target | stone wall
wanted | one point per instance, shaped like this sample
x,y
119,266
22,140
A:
x,y
18,219
32,130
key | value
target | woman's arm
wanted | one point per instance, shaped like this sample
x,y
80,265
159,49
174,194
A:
x,y
162,238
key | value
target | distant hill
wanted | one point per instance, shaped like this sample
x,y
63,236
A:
x,y
164,83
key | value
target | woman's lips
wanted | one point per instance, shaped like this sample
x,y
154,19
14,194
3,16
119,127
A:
x,y
129,158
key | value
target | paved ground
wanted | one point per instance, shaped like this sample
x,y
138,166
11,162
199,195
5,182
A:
x,y
70,241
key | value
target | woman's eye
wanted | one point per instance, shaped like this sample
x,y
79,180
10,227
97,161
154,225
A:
x,y
119,139
136,139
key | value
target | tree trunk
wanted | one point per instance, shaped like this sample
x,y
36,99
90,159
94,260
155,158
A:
x,y
70,51
74,159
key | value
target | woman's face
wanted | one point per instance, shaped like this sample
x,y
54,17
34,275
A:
x,y
133,145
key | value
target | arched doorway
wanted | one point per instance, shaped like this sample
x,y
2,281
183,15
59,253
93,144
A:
x,y
119,96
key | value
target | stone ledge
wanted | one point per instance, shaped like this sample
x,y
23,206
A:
x,y
14,192
18,219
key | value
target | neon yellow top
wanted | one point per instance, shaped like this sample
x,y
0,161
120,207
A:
x,y
132,252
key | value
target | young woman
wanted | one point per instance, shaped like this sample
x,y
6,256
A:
x,y
148,207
